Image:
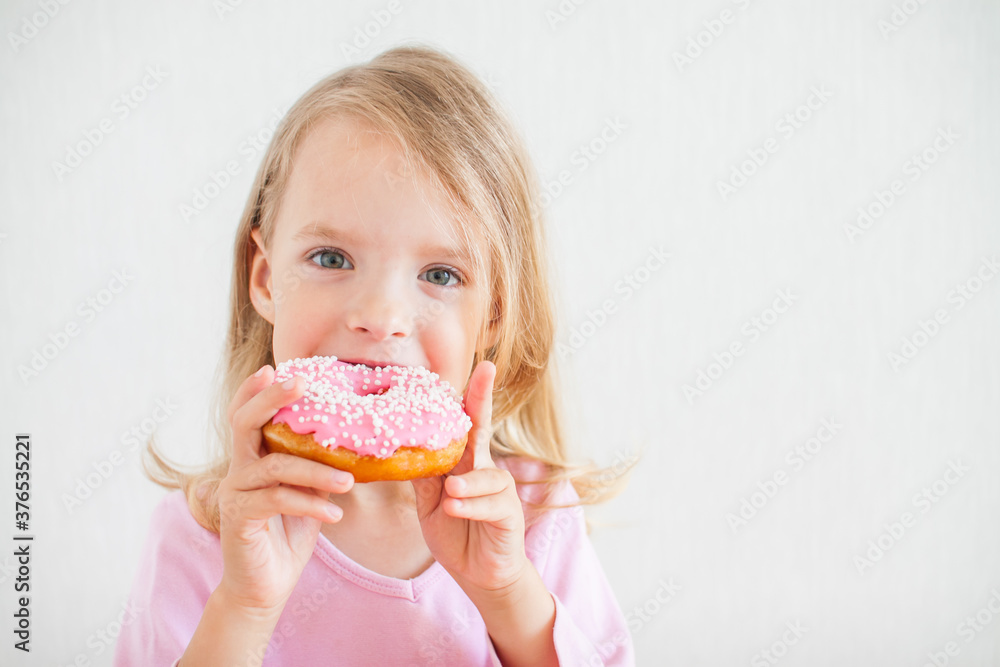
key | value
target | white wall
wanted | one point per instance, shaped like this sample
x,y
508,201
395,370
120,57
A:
x,y
855,297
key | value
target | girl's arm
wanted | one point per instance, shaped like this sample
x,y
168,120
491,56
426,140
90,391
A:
x,y
520,620
473,523
229,634
271,509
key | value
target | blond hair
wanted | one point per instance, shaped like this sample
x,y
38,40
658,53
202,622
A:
x,y
449,123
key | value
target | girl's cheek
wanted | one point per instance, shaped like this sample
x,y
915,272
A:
x,y
451,342
291,280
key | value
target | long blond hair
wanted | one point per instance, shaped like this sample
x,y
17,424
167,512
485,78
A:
x,y
447,121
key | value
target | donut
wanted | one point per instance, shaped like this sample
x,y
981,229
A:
x,y
381,423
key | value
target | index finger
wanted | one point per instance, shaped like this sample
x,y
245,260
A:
x,y
250,388
479,407
256,401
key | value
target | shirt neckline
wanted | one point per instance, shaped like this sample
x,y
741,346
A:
x,y
408,589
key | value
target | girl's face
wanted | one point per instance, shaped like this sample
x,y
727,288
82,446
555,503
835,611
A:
x,y
364,268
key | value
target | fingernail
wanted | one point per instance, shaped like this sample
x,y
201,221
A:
x,y
458,504
334,512
288,384
340,477
459,484
260,372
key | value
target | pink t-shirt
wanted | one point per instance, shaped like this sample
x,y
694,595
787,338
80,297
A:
x,y
341,613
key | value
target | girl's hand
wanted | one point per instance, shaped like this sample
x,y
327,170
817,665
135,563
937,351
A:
x,y
472,520
271,506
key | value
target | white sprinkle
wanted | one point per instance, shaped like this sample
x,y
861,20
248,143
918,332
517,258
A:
x,y
301,419
295,407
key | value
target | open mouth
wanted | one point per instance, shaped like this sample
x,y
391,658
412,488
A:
x,y
370,363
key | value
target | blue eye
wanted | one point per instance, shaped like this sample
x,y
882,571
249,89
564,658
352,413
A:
x,y
444,274
329,259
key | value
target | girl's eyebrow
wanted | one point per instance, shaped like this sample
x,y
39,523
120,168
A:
x,y
319,232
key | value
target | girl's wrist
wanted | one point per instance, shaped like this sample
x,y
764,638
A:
x,y
230,633
226,602
500,595
520,619
527,589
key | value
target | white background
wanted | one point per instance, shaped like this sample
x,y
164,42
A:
x,y
686,127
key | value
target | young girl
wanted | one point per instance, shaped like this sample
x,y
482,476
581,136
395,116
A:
x,y
394,220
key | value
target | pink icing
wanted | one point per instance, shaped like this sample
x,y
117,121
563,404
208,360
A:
x,y
343,406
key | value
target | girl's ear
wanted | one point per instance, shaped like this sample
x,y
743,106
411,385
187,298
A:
x,y
260,279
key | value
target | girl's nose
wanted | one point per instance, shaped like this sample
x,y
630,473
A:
x,y
381,313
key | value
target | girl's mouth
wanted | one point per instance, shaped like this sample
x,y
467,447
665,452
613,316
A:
x,y
371,363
